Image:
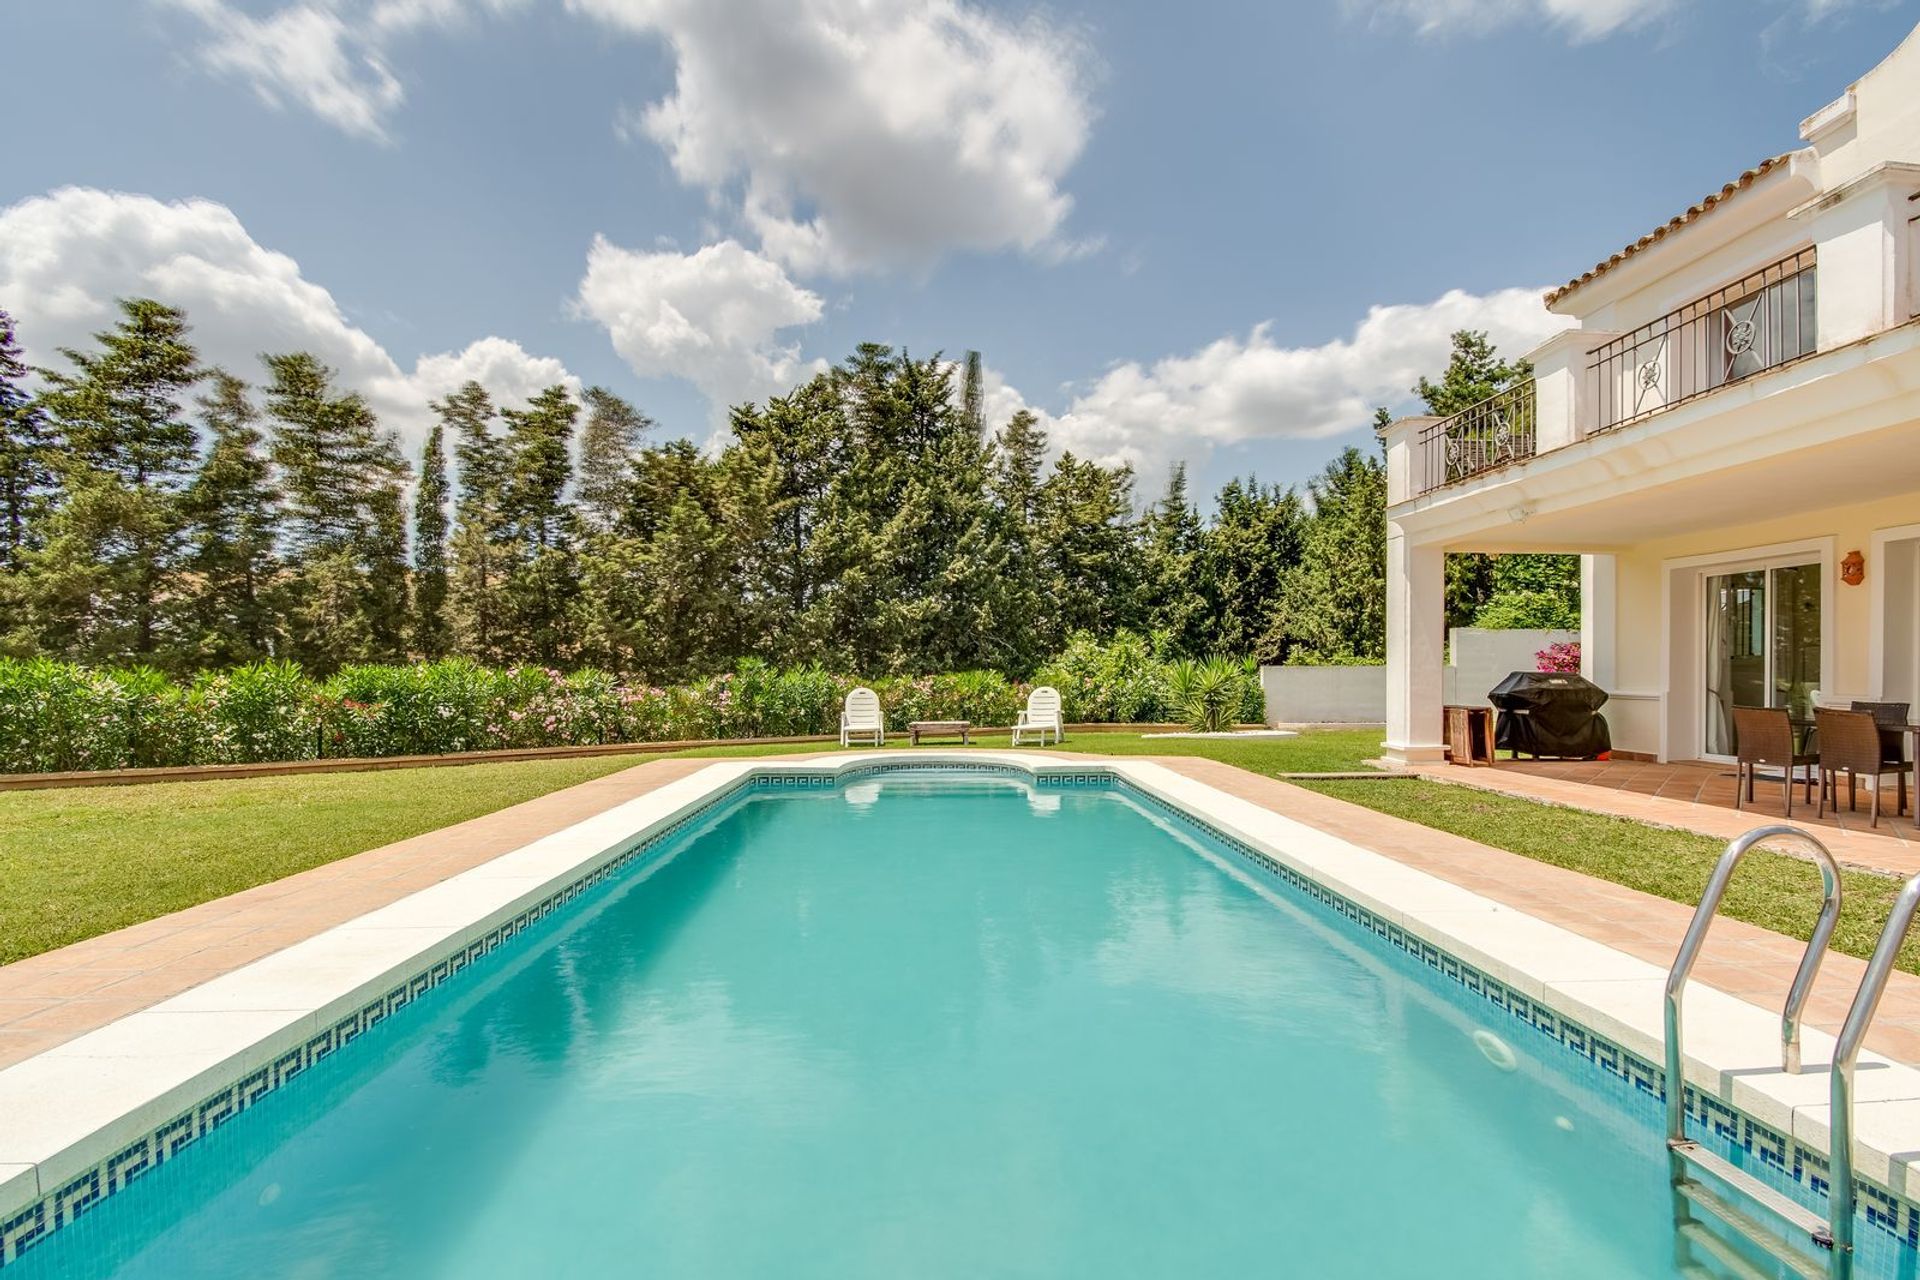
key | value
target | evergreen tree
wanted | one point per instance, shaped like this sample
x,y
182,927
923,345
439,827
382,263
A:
x,y
973,396
1090,559
612,434
232,519
26,457
105,582
1177,600
1333,603
1255,539
343,483
1016,600
542,571
430,548
480,550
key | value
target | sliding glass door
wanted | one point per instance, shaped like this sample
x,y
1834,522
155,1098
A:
x,y
1762,644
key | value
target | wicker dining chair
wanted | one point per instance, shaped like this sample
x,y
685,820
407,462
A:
x,y
1891,717
1764,736
1850,744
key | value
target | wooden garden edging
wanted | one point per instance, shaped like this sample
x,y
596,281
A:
x,y
365,764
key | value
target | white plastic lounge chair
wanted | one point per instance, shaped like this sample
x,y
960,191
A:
x,y
1041,717
861,718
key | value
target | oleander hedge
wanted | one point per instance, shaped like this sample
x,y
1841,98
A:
x,y
56,716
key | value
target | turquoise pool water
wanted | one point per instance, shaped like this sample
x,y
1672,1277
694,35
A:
x,y
920,1026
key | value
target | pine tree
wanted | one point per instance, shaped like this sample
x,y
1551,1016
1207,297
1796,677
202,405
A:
x,y
26,457
613,432
1333,603
1176,602
1255,538
232,533
1016,598
105,583
430,548
1089,554
541,578
343,483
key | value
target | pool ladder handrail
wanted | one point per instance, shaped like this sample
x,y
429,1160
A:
x,y
1683,1153
1846,1053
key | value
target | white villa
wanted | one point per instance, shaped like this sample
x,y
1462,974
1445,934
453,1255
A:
x,y
1729,435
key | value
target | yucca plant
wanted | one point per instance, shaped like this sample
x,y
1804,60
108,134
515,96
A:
x,y
1207,694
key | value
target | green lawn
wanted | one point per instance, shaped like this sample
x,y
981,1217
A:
x,y
82,861
1313,751
1771,890
85,860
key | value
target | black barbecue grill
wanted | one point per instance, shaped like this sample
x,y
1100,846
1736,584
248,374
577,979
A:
x,y
1544,713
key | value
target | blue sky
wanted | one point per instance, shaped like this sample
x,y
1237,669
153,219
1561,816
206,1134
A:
x,y
1218,235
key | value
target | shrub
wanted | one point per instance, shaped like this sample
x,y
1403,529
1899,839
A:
x,y
1527,610
56,716
1118,682
260,712
1563,658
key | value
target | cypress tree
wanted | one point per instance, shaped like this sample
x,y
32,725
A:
x,y
430,548
26,462
232,531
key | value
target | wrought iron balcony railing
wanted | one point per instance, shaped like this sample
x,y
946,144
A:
x,y
1761,322
1490,435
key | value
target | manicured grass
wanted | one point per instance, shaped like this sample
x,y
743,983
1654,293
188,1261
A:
x,y
1769,889
1313,751
86,860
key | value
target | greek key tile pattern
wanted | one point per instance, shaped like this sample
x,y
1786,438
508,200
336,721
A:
x,y
1777,1158
1759,1149
25,1227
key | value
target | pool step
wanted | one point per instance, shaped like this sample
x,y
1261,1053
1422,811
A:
x,y
1750,1230
1718,1259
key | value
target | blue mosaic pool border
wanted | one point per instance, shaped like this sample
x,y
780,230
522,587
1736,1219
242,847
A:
x,y
1785,1162
33,1223
1781,1160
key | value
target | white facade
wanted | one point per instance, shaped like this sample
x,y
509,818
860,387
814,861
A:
x,y
1735,410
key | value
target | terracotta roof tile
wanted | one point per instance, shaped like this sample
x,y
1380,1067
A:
x,y
1694,213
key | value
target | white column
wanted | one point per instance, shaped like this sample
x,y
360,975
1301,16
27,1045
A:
x,y
1598,641
1416,630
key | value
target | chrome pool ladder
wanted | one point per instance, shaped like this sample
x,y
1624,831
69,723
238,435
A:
x,y
1693,1194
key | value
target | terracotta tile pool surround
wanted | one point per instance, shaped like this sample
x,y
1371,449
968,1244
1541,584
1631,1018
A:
x,y
1482,904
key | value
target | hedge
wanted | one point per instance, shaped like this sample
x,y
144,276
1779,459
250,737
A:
x,y
56,716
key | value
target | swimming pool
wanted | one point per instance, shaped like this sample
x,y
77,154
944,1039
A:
x,y
930,1024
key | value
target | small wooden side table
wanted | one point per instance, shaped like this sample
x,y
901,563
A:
x,y
1470,735
941,729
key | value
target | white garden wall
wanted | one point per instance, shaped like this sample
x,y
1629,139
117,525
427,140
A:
x,y
1477,660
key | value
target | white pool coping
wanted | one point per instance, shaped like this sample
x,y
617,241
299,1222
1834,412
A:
x,y
67,1109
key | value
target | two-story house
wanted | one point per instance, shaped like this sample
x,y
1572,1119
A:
x,y
1729,434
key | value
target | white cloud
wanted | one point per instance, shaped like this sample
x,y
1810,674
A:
x,y
868,133
1236,389
306,54
712,317
66,256
1582,19
329,56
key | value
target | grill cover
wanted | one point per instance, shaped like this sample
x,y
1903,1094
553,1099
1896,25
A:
x,y
1544,713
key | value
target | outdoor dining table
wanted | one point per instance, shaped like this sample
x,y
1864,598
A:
x,y
1803,734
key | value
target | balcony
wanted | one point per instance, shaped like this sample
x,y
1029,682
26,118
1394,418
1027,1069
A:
x,y
1763,321
1757,323
1497,432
